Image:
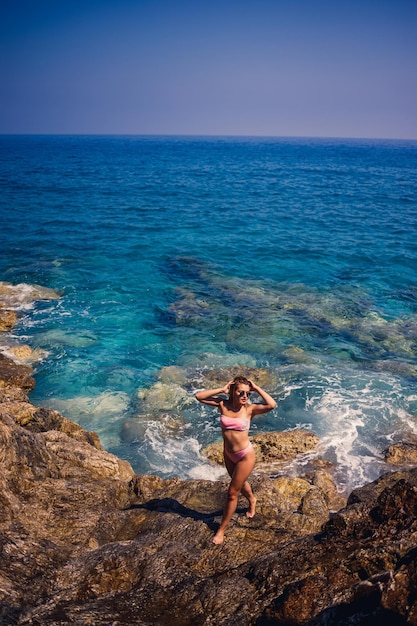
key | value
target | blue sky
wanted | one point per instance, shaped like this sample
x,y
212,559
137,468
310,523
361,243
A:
x,y
264,67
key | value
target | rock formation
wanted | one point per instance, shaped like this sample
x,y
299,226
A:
x,y
86,541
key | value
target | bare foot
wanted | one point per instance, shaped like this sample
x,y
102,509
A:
x,y
252,506
218,537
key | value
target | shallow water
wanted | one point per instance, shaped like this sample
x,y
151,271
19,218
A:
x,y
177,257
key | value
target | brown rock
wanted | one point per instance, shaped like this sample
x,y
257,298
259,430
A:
x,y
271,447
22,353
85,541
14,402
22,412
12,394
217,378
42,420
324,480
401,454
13,375
8,319
292,490
283,446
14,295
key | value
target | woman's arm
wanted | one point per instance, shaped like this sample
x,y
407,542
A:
x,y
210,396
268,401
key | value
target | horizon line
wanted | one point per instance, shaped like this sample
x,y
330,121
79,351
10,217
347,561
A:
x,y
201,135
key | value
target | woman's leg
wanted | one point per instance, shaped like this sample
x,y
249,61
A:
x,y
246,490
240,473
248,493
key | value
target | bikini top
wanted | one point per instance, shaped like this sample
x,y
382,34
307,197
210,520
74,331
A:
x,y
234,423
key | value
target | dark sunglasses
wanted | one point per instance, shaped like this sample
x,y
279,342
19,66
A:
x,y
244,393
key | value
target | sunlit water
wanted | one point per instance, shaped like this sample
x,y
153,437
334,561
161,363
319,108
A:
x,y
180,257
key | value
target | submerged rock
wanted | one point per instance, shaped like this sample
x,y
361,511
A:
x,y
103,406
173,374
135,428
261,376
163,397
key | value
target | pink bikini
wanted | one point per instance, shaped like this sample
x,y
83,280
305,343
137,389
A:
x,y
235,423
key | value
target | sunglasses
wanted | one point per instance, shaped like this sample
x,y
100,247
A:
x,y
244,393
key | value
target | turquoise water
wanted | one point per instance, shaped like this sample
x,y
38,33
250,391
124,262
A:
x,y
176,257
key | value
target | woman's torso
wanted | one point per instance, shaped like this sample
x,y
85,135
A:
x,y
235,430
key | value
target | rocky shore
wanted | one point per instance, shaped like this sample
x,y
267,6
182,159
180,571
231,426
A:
x,y
84,540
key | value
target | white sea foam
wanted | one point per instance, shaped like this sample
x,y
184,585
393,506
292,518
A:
x,y
177,457
346,414
21,353
21,297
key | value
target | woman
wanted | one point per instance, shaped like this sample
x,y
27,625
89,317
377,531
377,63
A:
x,y
239,456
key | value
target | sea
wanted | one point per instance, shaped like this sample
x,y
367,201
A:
x,y
180,260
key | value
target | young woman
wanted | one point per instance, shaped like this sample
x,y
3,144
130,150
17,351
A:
x,y
236,414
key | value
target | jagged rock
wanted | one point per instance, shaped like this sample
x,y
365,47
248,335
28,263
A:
x,y
168,572
401,454
12,394
281,446
13,375
271,447
22,353
14,402
15,295
75,499
324,480
292,490
85,541
8,319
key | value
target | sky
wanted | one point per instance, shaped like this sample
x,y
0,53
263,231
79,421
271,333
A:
x,y
292,68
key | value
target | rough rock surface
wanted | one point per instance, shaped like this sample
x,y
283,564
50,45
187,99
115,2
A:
x,y
272,447
86,541
8,319
15,375
403,453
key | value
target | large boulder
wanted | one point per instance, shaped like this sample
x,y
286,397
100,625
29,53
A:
x,y
13,375
402,453
271,447
8,319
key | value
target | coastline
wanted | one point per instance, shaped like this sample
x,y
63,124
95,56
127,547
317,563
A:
x,y
170,392
86,540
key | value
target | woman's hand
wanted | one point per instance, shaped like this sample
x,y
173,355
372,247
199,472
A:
x,y
226,388
211,396
269,402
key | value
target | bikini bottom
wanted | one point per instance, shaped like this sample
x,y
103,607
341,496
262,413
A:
x,y
237,456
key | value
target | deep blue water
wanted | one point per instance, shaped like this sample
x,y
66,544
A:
x,y
179,257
